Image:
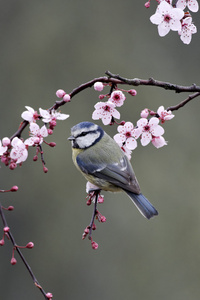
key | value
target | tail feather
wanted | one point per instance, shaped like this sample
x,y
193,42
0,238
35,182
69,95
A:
x,y
143,205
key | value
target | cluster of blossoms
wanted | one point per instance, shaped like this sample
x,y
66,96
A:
x,y
148,130
15,151
173,17
106,111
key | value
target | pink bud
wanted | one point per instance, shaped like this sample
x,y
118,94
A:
x,y
52,144
144,113
2,242
94,227
89,202
13,261
98,86
60,93
94,245
100,199
5,141
12,165
6,229
122,122
132,92
49,295
50,131
14,188
35,158
30,245
10,208
86,230
101,97
103,219
147,4
152,113
45,169
52,123
66,98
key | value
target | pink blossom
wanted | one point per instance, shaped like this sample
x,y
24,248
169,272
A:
x,y
188,28
30,114
164,115
53,115
98,86
167,17
158,141
105,111
149,129
191,4
127,135
117,97
37,135
19,152
144,113
3,148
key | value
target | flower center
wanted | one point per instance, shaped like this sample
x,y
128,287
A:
x,y
128,134
106,108
167,18
147,128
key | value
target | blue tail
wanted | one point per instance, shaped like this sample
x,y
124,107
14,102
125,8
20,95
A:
x,y
143,205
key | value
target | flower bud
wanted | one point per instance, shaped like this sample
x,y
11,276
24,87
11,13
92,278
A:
x,y
144,113
45,169
101,97
13,261
6,229
5,141
60,93
103,219
132,92
14,188
94,245
49,295
98,86
10,208
52,144
147,4
12,165
50,131
30,245
2,242
66,98
35,158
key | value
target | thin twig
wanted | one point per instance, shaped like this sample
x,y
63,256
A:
x,y
94,213
5,224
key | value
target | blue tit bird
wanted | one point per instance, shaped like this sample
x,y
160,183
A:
x,y
102,162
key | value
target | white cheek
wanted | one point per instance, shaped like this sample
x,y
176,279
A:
x,y
88,140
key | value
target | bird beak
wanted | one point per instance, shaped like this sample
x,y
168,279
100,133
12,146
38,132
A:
x,y
71,138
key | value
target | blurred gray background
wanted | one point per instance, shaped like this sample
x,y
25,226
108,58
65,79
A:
x,y
47,45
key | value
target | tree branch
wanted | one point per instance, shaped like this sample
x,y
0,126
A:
x,y
5,224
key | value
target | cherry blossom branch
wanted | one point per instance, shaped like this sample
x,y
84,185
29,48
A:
x,y
152,82
116,79
184,102
16,247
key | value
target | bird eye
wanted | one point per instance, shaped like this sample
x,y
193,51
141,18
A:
x,y
83,134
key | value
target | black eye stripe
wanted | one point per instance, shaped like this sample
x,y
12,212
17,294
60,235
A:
x,y
85,133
